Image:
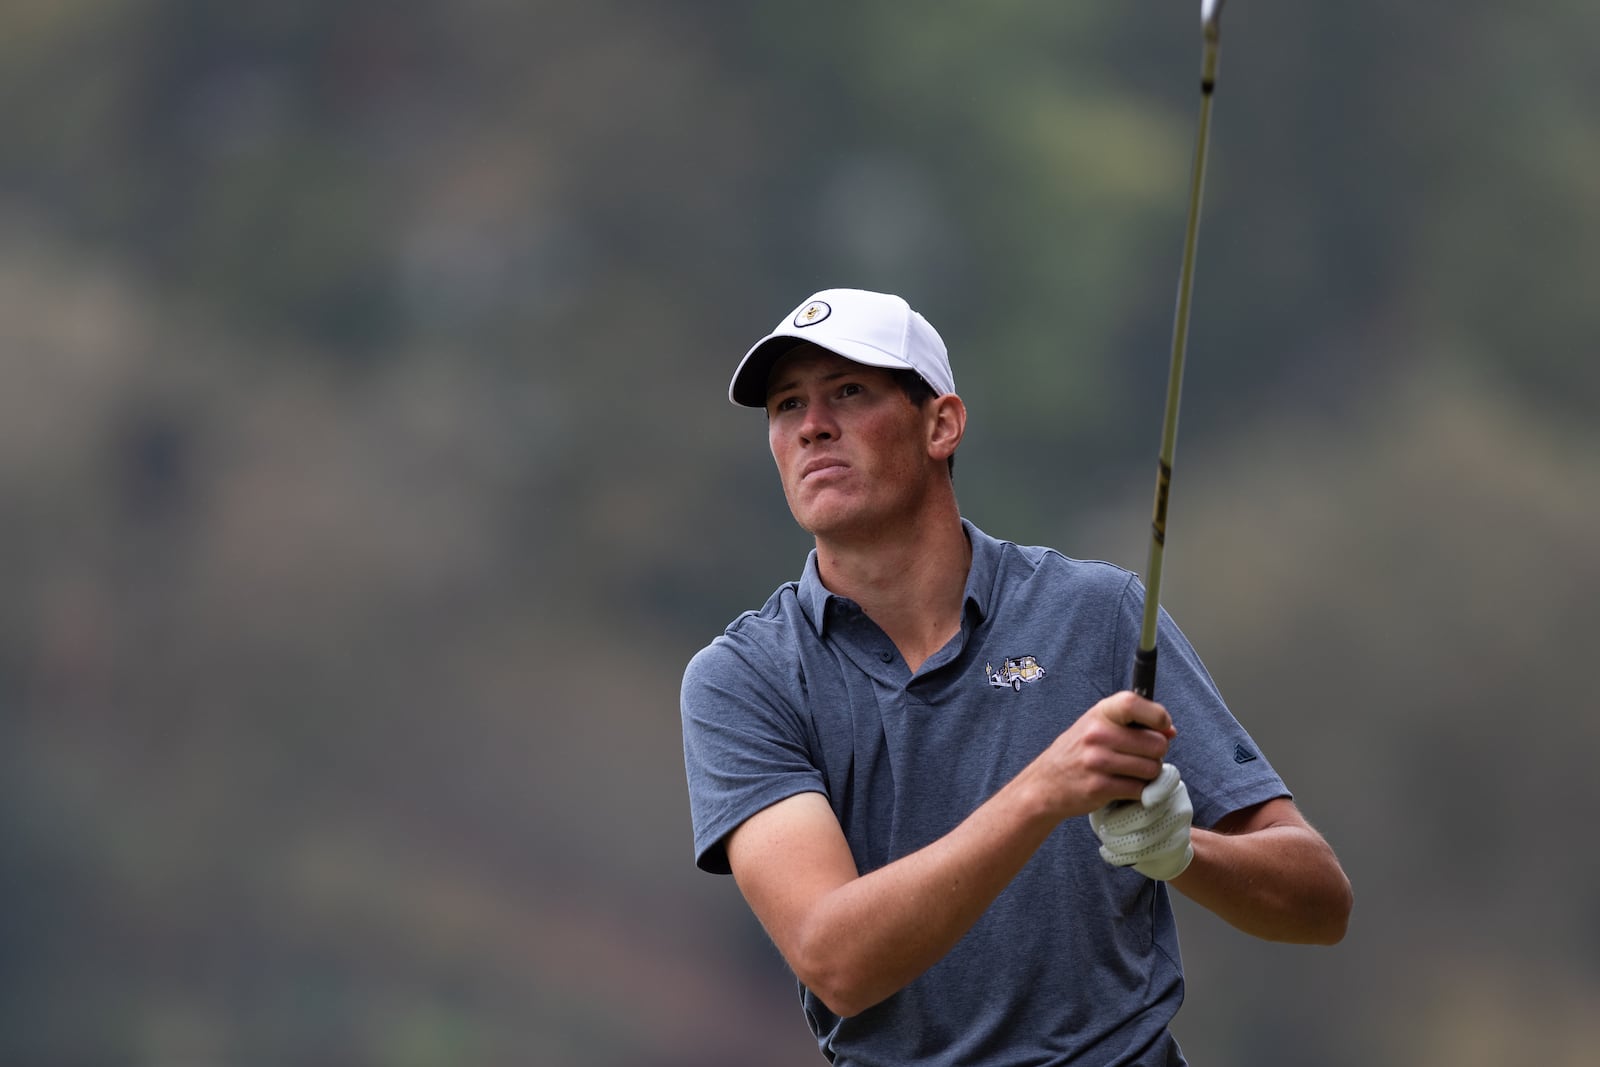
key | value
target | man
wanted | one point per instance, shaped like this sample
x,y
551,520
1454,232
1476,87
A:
x,y
901,814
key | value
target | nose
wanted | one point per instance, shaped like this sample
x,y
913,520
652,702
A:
x,y
818,424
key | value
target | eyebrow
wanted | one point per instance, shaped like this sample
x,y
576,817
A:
x,y
795,382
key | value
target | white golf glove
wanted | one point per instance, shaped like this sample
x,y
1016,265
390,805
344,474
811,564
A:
x,y
1151,836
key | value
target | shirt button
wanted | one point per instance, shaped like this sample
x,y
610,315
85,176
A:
x,y
886,656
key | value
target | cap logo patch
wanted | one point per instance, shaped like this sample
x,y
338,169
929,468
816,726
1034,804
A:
x,y
812,313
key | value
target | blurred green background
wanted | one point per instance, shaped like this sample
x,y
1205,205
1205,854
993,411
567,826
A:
x,y
366,480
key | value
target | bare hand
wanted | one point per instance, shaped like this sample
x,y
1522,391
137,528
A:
x,y
1112,751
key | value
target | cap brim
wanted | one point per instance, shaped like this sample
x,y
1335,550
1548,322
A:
x,y
749,385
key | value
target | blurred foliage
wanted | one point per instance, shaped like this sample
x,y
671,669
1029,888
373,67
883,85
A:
x,y
365,481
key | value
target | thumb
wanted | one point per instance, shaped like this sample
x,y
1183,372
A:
x,y
1164,785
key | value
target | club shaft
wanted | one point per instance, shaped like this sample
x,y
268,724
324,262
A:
x,y
1144,666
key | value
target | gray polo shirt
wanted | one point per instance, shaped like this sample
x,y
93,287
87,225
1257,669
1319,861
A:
x,y
1076,961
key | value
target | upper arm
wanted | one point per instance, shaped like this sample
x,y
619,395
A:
x,y
785,859
746,744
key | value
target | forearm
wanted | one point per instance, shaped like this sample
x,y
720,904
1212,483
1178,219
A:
x,y
855,939
1278,883
872,936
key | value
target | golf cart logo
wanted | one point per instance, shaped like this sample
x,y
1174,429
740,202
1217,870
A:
x,y
1013,672
812,313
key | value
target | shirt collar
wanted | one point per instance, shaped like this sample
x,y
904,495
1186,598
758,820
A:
x,y
981,575
815,597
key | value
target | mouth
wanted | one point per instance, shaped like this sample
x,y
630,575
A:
x,y
821,465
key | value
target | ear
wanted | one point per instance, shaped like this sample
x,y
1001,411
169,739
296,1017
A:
x,y
947,423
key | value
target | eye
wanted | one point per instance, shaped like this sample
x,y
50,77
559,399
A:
x,y
850,389
788,403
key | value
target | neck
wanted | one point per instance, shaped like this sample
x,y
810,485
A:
x,y
910,583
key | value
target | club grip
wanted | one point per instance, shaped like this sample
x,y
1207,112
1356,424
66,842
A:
x,y
1144,673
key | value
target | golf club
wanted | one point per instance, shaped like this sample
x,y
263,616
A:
x,y
1144,659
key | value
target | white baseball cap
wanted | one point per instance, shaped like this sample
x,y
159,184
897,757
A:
x,y
876,329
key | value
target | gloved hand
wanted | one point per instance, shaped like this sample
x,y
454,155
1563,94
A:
x,y
1151,836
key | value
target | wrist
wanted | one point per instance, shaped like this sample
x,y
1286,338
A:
x,y
1037,796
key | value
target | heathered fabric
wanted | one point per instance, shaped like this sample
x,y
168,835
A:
x,y
1076,962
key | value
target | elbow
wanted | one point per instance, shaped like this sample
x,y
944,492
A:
x,y
841,1002
1317,915
841,991
825,966
1329,915
1327,902
1337,921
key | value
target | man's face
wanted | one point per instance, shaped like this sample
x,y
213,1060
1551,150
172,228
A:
x,y
851,448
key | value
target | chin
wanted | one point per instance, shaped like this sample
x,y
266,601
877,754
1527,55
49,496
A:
x,y
839,515
838,524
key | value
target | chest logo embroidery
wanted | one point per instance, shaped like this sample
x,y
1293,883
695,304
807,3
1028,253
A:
x,y
1015,671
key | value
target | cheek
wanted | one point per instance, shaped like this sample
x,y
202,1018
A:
x,y
780,458
900,445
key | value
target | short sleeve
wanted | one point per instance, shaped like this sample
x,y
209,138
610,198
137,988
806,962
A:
x,y
745,740
1222,766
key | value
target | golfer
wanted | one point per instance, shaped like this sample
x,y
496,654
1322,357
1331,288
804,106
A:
x,y
921,763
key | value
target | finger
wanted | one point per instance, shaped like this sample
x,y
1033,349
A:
x,y
1125,820
1122,729
1140,845
1164,804
1131,709
1169,832
1136,754
1116,859
1131,766
1116,793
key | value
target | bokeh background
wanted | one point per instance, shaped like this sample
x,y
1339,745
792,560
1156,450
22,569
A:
x,y
366,481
